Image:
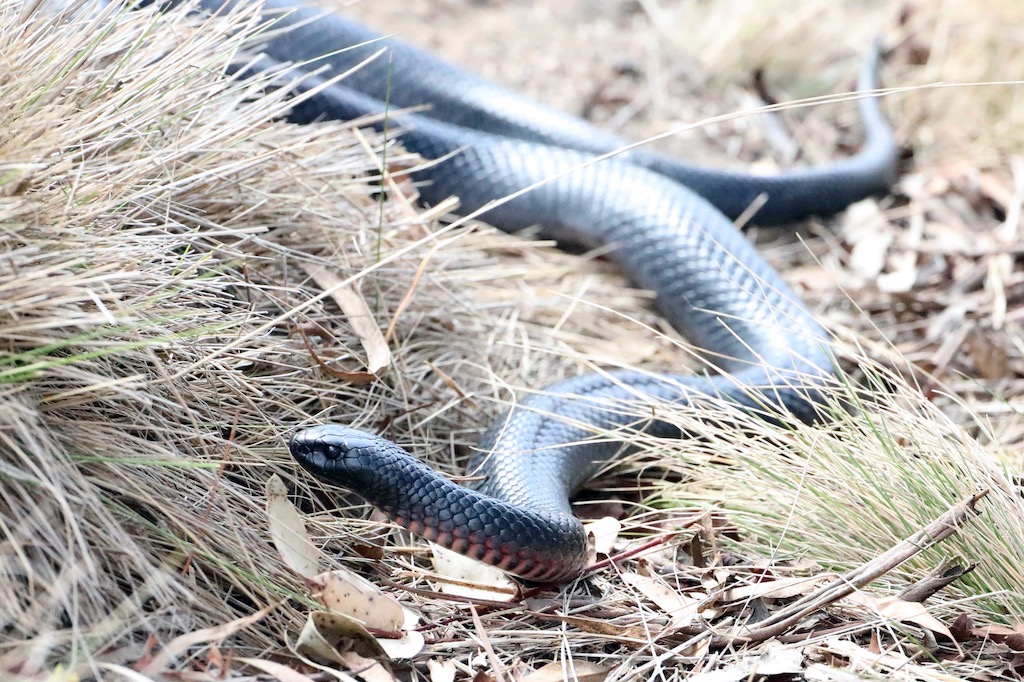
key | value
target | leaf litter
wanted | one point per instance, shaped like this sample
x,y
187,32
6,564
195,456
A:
x,y
156,273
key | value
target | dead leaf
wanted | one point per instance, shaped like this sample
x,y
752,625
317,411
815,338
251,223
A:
x,y
681,608
320,635
965,630
324,632
862,659
638,635
288,530
367,668
409,645
776,660
902,274
911,612
989,357
441,671
344,592
869,235
470,578
358,314
357,377
282,672
60,674
904,611
556,671
962,628
605,532
1013,637
780,588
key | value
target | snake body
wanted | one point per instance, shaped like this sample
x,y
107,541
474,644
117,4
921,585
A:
x,y
667,224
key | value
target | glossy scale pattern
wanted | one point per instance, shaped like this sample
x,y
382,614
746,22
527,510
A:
x,y
667,224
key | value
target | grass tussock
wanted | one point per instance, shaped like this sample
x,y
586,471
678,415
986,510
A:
x,y
847,492
156,227
165,322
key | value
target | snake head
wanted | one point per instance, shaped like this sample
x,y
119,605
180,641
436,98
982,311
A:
x,y
338,454
385,475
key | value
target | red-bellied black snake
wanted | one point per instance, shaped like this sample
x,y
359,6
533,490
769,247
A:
x,y
666,223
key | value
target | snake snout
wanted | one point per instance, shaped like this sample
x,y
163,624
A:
x,y
332,451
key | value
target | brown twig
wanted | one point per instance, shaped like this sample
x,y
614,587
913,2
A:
x,y
935,532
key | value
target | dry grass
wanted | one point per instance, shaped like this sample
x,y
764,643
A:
x,y
157,234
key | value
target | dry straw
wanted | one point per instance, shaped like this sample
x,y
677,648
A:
x,y
178,275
